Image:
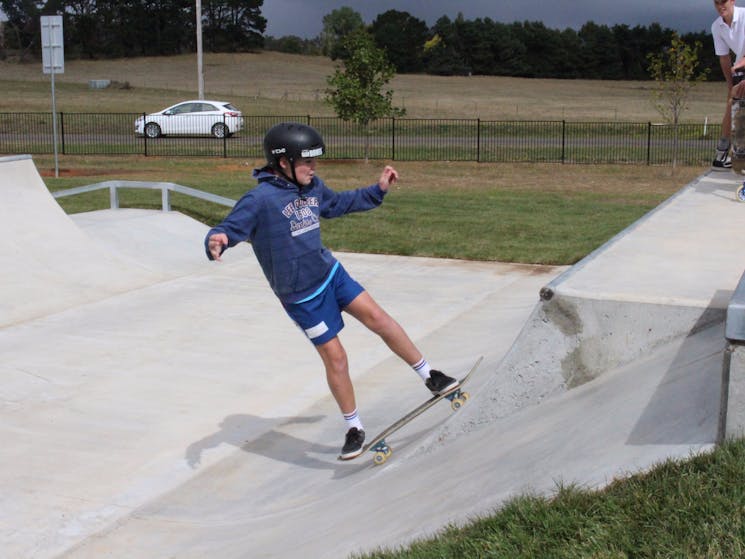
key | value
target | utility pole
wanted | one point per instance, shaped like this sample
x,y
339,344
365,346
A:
x,y
200,73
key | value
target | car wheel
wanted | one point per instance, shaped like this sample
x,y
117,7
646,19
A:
x,y
219,130
152,130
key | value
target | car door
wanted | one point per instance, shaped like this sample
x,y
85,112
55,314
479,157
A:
x,y
168,120
206,115
182,118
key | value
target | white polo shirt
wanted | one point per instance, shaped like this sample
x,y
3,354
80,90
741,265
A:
x,y
728,38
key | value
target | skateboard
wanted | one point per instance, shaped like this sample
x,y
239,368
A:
x,y
381,449
740,193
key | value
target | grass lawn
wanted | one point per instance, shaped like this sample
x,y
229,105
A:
x,y
528,213
680,510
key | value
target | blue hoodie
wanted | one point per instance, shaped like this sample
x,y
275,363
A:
x,y
281,221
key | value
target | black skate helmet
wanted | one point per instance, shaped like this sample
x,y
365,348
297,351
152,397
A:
x,y
293,141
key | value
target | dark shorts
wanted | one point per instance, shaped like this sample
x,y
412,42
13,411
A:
x,y
320,317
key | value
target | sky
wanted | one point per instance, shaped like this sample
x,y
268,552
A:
x,y
304,18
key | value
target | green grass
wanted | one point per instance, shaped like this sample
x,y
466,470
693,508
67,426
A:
x,y
495,220
507,226
680,509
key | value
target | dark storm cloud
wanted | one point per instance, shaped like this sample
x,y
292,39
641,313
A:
x,y
304,17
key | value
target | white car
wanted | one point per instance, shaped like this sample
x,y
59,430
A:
x,y
191,118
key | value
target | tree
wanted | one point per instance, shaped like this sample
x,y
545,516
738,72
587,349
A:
x,y
600,52
402,36
356,91
442,53
234,25
674,71
22,30
337,25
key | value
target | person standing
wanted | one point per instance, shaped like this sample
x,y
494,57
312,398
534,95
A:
x,y
728,32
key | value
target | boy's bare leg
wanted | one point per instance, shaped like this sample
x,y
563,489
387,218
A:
x,y
368,312
337,374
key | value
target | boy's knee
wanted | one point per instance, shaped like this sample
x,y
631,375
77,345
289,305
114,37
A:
x,y
380,321
335,360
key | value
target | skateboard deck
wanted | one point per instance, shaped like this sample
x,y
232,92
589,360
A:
x,y
378,446
738,136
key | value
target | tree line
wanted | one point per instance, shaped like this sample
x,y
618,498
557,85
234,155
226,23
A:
x,y
460,46
124,28
483,46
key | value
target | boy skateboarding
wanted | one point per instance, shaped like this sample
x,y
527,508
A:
x,y
280,217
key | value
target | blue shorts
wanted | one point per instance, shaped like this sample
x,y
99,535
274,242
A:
x,y
320,316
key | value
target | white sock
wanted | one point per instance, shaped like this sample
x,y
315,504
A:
x,y
353,420
422,368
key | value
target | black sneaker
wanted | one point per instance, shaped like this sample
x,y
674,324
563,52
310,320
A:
x,y
439,383
722,159
352,444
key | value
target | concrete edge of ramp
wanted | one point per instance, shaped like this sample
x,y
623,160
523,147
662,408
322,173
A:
x,y
576,333
63,266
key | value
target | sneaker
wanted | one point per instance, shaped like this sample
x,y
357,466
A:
x,y
352,444
722,159
439,383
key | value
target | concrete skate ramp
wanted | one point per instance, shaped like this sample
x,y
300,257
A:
x,y
189,418
50,264
666,277
111,403
268,500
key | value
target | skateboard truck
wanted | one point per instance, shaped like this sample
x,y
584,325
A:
x,y
381,451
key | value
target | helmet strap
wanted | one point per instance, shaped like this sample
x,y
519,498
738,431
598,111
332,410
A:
x,y
291,163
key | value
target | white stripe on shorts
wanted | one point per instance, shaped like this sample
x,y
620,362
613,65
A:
x,y
317,330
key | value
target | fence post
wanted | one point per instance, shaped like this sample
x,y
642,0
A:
x,y
62,131
649,143
113,197
144,135
563,141
224,138
393,138
478,140
165,198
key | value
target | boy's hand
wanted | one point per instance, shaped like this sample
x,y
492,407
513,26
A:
x,y
387,178
215,244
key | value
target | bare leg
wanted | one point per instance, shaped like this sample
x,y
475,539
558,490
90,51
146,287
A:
x,y
337,374
368,312
727,118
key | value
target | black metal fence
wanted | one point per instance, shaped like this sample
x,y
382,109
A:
x,y
407,139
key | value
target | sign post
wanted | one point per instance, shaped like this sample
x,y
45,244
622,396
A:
x,y
53,62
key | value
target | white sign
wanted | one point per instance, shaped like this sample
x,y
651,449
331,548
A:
x,y
52,45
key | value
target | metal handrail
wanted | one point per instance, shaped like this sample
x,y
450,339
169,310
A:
x,y
165,188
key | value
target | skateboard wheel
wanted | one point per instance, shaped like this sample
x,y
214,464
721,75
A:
x,y
457,403
465,396
380,457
